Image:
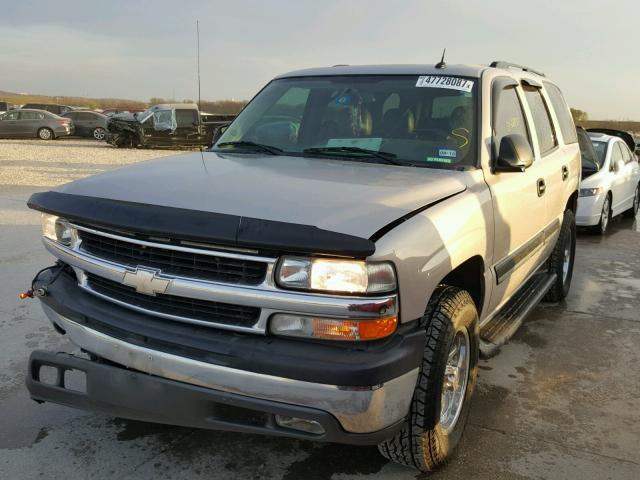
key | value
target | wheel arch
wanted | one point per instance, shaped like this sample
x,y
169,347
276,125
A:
x,y
572,203
469,276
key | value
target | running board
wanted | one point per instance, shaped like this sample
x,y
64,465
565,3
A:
x,y
497,331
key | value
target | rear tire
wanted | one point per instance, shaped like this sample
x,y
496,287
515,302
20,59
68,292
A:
x,y
441,400
562,259
99,133
633,211
45,134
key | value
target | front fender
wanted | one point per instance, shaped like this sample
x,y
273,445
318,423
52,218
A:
x,y
427,247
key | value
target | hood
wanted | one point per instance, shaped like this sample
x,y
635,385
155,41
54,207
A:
x,y
123,117
341,196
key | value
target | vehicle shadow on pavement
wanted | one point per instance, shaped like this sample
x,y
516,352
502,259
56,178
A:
x,y
252,456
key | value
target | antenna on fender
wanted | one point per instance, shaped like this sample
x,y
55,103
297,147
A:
x,y
198,46
442,64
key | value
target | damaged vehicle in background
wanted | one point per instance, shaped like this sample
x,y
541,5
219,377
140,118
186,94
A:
x,y
164,125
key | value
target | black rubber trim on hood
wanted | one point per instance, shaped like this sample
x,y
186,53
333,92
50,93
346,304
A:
x,y
390,226
198,225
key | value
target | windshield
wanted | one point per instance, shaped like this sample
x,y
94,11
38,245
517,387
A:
x,y
416,120
142,116
601,151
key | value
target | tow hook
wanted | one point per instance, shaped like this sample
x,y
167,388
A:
x,y
38,292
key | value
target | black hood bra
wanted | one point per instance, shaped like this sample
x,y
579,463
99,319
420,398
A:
x,y
198,225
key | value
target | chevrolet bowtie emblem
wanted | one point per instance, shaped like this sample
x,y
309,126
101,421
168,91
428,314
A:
x,y
146,281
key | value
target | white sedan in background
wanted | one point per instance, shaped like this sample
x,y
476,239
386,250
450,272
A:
x,y
614,188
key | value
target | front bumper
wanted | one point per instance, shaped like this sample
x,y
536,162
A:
x,y
589,210
366,390
130,394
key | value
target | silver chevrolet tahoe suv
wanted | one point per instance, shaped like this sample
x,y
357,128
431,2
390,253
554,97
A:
x,y
330,269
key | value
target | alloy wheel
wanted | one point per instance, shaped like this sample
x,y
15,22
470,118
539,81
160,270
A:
x,y
99,134
566,260
456,377
604,219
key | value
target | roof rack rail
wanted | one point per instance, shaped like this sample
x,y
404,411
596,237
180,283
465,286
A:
x,y
499,64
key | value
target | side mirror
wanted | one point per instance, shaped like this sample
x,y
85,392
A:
x,y
218,133
515,154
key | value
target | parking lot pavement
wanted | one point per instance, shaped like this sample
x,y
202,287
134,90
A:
x,y
562,399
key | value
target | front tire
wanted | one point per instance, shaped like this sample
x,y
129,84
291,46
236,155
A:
x,y
441,400
45,134
562,259
605,216
633,211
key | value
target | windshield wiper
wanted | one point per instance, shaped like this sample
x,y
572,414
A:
x,y
386,156
256,146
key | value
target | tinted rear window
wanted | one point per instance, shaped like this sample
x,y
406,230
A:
x,y
567,127
541,119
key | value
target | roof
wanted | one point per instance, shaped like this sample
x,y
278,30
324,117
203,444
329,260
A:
x,y
607,134
461,70
168,106
39,110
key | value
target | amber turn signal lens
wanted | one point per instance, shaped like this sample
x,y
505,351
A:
x,y
333,328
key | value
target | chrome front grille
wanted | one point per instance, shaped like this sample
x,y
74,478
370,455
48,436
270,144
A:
x,y
203,265
176,264
174,306
114,269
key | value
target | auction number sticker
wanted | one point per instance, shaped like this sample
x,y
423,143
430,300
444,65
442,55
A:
x,y
440,81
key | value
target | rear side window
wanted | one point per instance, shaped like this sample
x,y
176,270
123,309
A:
x,y
567,127
541,120
11,116
85,116
616,154
626,154
510,117
186,118
31,116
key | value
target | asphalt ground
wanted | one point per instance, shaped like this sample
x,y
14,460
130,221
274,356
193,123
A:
x,y
561,401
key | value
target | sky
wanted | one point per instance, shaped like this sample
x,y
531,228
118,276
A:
x,y
143,49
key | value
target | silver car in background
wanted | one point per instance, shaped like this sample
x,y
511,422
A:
x,y
28,123
614,188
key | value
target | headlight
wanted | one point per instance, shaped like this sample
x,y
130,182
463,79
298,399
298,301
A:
x,y
353,330
590,192
56,229
343,276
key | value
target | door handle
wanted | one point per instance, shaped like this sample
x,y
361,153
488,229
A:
x,y
565,173
542,187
